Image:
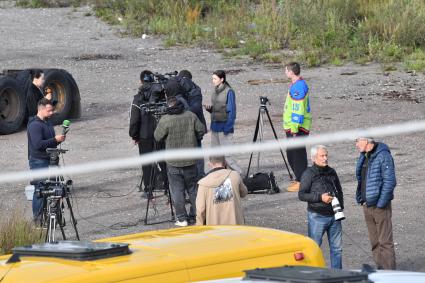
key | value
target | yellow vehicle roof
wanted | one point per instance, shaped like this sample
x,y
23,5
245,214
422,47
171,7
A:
x,y
174,255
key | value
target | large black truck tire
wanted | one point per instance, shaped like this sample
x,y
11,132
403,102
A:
x,y
12,105
75,111
62,93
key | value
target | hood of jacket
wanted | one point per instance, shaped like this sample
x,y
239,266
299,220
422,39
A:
x,y
379,148
215,178
178,108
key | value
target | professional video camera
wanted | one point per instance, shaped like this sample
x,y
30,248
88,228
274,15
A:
x,y
50,188
264,100
163,78
155,108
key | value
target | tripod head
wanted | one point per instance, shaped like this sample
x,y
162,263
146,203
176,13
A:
x,y
264,100
54,155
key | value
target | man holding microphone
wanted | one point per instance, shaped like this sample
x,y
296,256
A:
x,y
41,135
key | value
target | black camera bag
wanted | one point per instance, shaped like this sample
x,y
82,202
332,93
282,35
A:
x,y
261,182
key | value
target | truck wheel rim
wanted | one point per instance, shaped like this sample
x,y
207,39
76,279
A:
x,y
58,94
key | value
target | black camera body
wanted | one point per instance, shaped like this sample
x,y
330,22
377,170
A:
x,y
155,108
163,78
53,189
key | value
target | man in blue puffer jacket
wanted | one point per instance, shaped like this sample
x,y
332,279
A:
x,y
375,174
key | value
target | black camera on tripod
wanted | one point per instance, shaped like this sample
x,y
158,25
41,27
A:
x,y
53,189
264,100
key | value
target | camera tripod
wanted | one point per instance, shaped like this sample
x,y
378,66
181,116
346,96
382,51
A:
x,y
54,216
154,185
55,190
259,126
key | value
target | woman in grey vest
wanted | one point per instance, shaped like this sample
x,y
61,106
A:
x,y
223,114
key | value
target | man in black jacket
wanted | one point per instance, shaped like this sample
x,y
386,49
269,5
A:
x,y
319,185
41,135
194,101
34,93
142,124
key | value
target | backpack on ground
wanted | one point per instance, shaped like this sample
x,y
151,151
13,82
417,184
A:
x,y
261,182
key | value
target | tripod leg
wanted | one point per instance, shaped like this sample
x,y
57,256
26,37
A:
x,y
60,216
281,152
50,236
170,201
141,184
73,220
150,191
260,135
254,140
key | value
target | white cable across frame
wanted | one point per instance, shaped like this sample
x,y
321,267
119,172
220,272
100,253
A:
x,y
270,145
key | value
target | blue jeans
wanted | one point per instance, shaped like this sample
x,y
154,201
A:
x,y
317,226
181,180
37,203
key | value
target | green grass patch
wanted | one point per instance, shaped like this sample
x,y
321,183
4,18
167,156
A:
x,y
16,230
331,31
415,61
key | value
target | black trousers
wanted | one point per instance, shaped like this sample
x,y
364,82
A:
x,y
147,146
297,157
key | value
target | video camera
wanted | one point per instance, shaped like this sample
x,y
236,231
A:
x,y
157,104
155,108
264,100
50,188
163,78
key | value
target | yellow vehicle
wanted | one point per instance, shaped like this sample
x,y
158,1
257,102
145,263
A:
x,y
174,255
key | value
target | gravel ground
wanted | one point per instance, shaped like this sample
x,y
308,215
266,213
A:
x,y
108,203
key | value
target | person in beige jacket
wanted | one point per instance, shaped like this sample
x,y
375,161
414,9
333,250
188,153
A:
x,y
218,201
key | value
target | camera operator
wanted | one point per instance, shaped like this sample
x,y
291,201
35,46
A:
x,y
180,129
194,101
142,124
41,135
319,185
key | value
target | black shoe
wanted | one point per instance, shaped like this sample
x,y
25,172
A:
x,y
191,220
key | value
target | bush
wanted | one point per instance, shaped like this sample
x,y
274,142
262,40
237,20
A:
x,y
324,31
15,230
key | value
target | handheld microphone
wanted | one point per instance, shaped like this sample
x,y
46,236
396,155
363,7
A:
x,y
65,127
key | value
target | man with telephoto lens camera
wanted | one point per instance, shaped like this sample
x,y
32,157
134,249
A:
x,y
320,187
142,121
41,135
180,129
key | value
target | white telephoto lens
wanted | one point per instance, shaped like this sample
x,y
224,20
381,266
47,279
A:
x,y
339,215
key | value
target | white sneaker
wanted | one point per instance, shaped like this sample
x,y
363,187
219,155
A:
x,y
181,223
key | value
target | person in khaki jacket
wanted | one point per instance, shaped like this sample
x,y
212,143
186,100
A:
x,y
218,201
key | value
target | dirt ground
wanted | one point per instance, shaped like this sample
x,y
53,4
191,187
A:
x,y
106,67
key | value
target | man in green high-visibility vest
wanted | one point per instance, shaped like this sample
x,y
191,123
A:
x,y
296,121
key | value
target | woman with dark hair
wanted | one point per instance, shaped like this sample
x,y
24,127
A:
x,y
223,114
35,93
